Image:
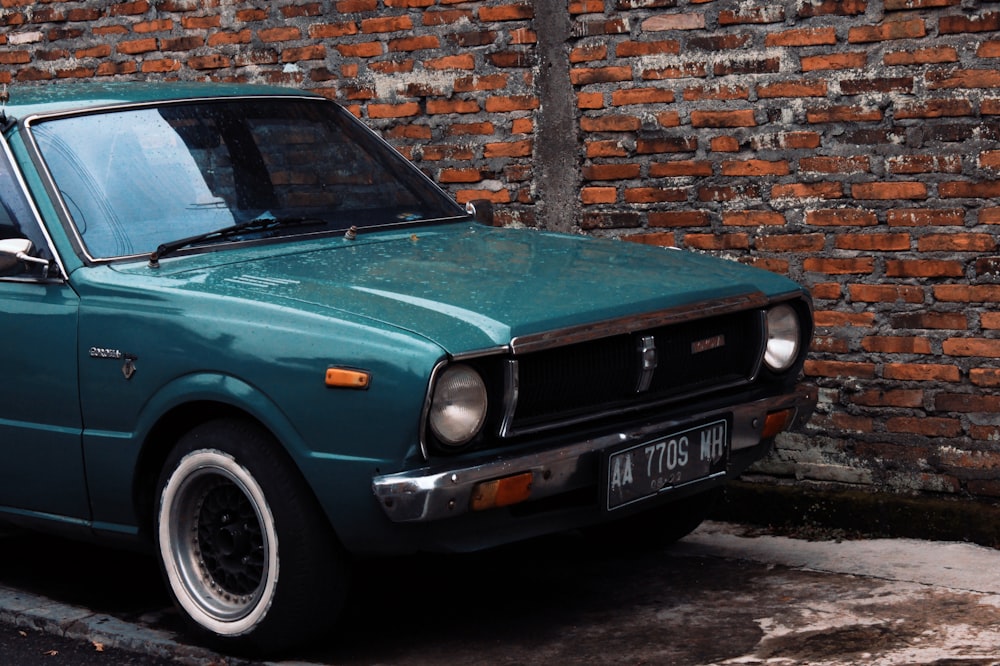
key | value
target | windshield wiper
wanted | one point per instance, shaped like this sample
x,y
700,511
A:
x,y
264,222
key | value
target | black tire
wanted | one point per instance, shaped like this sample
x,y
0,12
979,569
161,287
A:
x,y
658,527
247,556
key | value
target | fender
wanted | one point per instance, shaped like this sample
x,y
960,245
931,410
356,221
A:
x,y
112,458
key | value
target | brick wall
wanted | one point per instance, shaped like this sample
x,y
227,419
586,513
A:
x,y
850,144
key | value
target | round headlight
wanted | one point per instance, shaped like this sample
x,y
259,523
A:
x,y
458,406
783,337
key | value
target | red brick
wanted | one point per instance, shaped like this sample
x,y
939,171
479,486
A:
x,y
791,243
846,217
965,190
817,368
283,34
590,196
966,403
508,149
888,293
905,29
957,242
963,78
928,426
753,218
679,219
694,21
935,109
927,56
873,242
583,76
438,106
924,268
331,30
802,37
985,377
852,164
834,61
610,124
912,398
930,320
680,168
717,242
808,191
755,168
716,92
988,348
631,96
926,372
915,164
512,12
896,345
889,191
605,149
843,114
989,22
648,195
924,217
837,319
832,266
719,119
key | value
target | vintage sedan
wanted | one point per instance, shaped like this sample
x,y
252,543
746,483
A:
x,y
241,330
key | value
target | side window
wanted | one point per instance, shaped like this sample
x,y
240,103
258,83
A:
x,y
16,217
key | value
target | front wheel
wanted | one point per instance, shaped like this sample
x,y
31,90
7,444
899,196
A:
x,y
244,549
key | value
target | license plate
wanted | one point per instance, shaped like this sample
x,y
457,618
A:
x,y
645,470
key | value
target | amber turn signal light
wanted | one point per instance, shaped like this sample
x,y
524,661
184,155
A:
x,y
501,492
344,378
776,422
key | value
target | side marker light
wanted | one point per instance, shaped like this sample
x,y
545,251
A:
x,y
776,422
501,492
344,378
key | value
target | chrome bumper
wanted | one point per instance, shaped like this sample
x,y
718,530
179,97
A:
x,y
434,493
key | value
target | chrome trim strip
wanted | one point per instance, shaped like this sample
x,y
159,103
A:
x,y
57,199
527,344
8,155
439,492
425,413
511,392
646,347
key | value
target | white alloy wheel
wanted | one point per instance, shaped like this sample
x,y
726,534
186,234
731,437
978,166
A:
x,y
218,543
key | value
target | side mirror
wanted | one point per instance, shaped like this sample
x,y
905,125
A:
x,y
19,249
481,210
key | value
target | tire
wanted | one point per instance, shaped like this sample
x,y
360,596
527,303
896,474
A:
x,y
246,554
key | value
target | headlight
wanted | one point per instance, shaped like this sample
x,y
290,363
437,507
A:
x,y
458,406
783,336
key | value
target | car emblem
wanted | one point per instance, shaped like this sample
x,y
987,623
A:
x,y
714,342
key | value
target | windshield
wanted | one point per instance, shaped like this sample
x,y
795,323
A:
x,y
135,179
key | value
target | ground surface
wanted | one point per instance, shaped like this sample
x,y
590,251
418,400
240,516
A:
x,y
727,594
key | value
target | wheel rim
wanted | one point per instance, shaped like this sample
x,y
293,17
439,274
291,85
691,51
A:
x,y
218,543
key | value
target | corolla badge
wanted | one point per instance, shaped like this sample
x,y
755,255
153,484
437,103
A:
x,y
128,365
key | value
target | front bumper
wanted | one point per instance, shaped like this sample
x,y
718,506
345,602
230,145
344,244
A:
x,y
435,493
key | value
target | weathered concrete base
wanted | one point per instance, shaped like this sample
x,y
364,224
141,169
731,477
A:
x,y
802,508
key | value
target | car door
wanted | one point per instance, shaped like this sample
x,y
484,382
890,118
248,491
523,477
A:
x,y
41,464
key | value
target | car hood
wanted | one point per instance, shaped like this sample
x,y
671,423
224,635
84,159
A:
x,y
468,287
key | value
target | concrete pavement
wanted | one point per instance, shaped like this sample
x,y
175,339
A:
x,y
727,594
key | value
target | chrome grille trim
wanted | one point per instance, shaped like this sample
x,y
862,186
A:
x,y
526,344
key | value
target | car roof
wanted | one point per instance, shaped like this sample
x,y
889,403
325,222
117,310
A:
x,y
67,96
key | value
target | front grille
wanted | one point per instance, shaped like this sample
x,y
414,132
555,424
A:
x,y
589,379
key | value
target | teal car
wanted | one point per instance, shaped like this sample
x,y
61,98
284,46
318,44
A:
x,y
243,332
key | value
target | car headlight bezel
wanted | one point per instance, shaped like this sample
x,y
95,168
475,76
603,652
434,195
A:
x,y
784,338
458,406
